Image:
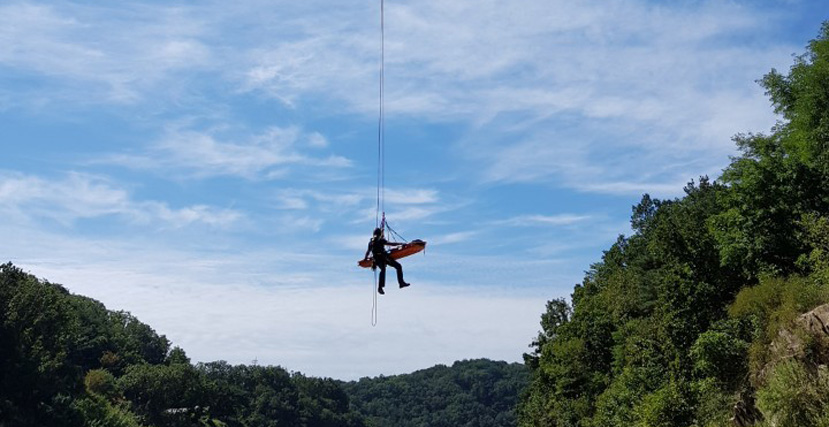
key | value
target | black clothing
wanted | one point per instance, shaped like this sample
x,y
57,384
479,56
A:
x,y
377,247
382,265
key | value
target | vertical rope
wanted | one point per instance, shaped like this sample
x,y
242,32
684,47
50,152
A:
x,y
374,303
381,151
383,106
381,125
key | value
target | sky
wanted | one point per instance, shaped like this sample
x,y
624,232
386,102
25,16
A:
x,y
211,166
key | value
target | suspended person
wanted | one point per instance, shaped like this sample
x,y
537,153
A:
x,y
377,248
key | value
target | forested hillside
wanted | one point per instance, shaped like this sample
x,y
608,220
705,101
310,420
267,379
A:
x,y
480,393
65,360
693,319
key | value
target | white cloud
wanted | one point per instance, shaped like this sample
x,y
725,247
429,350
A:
x,y
325,201
317,140
410,196
553,220
191,214
104,55
456,237
277,304
82,196
203,153
300,224
633,76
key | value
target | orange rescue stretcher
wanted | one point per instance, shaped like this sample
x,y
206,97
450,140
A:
x,y
405,250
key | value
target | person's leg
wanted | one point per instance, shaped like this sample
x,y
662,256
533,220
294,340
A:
x,y
382,280
399,269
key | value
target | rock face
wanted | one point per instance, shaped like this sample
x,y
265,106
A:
x,y
812,325
746,413
809,329
816,321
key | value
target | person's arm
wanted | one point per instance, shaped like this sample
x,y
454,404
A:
x,y
368,251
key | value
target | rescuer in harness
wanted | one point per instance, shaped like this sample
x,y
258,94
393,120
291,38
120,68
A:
x,y
377,248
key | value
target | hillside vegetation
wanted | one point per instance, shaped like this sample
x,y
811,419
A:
x,y
683,322
479,393
65,360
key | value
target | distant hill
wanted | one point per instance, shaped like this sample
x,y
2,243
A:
x,y
479,393
65,360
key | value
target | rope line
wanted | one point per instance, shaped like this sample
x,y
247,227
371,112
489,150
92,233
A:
x,y
381,124
374,303
381,151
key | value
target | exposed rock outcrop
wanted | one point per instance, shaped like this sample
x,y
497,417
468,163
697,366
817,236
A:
x,y
810,328
807,340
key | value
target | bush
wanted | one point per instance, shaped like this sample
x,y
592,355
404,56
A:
x,y
100,382
721,356
795,395
773,305
667,407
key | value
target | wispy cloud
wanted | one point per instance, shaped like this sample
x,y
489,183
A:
x,y
205,153
277,304
82,196
113,56
456,237
410,196
550,220
301,199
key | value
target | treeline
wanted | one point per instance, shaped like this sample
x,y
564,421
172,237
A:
x,y
681,323
479,393
65,360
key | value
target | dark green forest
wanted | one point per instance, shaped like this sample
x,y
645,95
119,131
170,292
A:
x,y
478,393
696,318
65,360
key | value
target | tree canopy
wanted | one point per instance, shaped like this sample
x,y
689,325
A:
x,y
675,326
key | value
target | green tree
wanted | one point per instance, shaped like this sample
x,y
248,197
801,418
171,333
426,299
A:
x,y
649,340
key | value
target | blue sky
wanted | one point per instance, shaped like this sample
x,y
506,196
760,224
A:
x,y
211,166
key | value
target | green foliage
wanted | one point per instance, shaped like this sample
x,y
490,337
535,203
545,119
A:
x,y
154,390
324,402
558,313
802,98
795,395
667,407
652,337
625,349
100,382
66,360
135,342
782,176
721,356
714,403
816,234
771,306
37,328
99,412
271,396
469,393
